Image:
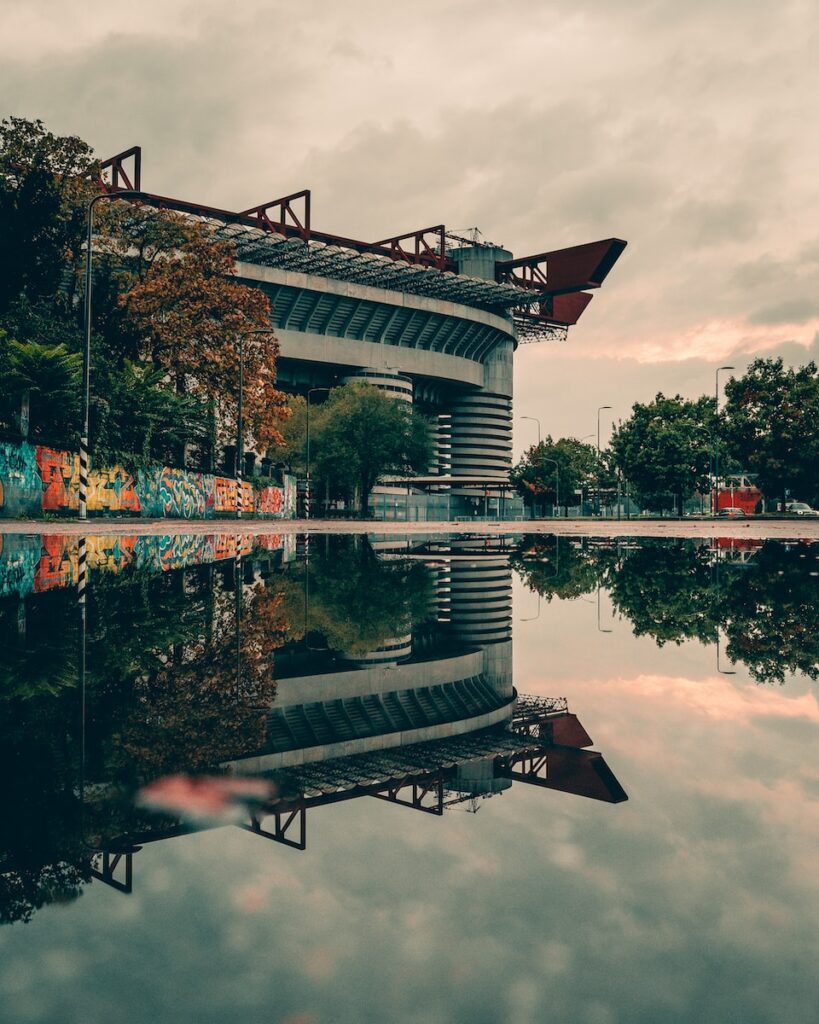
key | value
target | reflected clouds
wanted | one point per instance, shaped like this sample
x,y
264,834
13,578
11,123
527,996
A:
x,y
694,901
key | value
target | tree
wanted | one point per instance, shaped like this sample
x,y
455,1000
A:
x,y
772,426
567,462
667,589
173,301
47,377
557,566
292,451
168,310
664,448
360,434
46,182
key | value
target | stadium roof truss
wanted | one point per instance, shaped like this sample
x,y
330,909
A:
x,y
543,294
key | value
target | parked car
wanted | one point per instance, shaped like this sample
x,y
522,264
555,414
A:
x,y
801,508
731,512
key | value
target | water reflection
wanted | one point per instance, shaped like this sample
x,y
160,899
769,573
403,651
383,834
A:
x,y
755,602
325,671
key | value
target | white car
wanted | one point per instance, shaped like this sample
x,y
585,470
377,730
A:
x,y
801,508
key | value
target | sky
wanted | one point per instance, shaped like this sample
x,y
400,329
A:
x,y
687,129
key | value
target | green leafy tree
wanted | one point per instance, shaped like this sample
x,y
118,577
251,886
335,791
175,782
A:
x,y
360,434
772,426
291,453
771,612
139,420
47,378
566,462
356,600
558,567
46,182
667,589
664,448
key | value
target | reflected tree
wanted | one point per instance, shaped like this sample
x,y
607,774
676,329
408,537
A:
x,y
356,599
667,590
558,567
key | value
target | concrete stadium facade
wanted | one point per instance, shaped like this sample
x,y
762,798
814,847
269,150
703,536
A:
x,y
429,317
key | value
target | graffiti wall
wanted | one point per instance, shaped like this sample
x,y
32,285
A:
x,y
21,488
37,479
32,564
109,490
174,493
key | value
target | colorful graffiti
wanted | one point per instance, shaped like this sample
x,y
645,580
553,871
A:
x,y
173,493
270,499
109,490
33,564
40,479
19,558
20,485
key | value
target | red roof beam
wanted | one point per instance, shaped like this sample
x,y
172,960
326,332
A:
x,y
120,177
563,270
281,216
421,250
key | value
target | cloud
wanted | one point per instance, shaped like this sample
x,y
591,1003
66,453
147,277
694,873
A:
x,y
682,128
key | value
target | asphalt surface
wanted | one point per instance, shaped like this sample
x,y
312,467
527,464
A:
x,y
751,528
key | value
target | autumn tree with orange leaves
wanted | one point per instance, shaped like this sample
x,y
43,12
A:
x,y
180,309
168,313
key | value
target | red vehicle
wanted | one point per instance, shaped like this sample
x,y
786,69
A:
x,y
738,491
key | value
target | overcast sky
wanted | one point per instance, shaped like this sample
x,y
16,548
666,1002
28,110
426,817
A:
x,y
688,129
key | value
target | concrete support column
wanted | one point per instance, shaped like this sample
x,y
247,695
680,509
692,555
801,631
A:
x,y
482,436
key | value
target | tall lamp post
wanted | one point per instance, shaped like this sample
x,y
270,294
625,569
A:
x,y
307,492
599,410
240,423
536,420
86,352
716,437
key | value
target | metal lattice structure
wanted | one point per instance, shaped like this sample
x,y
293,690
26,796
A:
x,y
544,293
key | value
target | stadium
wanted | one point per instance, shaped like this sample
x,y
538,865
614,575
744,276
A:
x,y
431,317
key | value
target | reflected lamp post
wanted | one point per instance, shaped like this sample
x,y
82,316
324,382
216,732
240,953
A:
x,y
307,468
531,618
86,352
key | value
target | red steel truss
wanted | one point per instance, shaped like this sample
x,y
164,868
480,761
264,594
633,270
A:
x,y
559,279
279,215
427,248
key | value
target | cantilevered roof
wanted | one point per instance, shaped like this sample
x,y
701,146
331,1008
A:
x,y
267,248
359,770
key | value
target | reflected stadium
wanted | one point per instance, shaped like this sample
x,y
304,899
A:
x,y
423,714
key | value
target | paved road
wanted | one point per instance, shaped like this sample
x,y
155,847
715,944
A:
x,y
807,529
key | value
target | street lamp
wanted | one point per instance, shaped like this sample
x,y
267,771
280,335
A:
x,y
716,435
536,420
599,410
599,627
240,441
86,353
531,618
307,492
